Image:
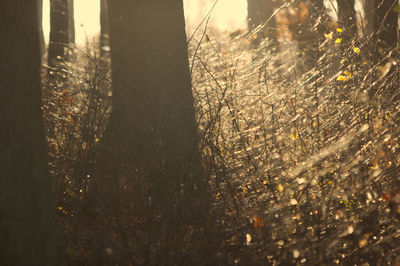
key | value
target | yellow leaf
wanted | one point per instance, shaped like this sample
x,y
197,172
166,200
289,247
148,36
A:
x,y
356,50
338,40
280,188
339,30
347,73
341,78
328,36
345,76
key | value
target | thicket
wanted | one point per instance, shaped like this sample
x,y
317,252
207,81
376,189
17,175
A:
x,y
303,162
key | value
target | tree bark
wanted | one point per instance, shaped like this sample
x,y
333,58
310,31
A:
x,y
258,13
28,225
58,30
152,136
369,13
61,30
386,22
104,28
318,17
71,22
40,23
311,33
347,19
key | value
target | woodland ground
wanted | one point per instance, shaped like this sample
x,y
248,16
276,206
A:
x,y
303,161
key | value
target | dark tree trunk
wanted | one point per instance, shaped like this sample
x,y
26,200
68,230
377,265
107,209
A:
x,y
152,137
60,30
105,29
318,18
258,13
71,22
311,32
347,19
40,21
386,22
369,13
28,225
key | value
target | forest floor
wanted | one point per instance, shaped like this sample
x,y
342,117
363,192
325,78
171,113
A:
x,y
303,160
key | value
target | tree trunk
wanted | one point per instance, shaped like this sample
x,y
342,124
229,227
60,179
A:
x,y
105,29
40,23
28,225
369,17
71,22
347,19
258,13
318,17
386,22
59,30
311,32
152,139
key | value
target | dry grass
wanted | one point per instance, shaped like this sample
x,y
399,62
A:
x,y
303,162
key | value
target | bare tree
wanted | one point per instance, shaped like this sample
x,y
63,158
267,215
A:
x,y
28,226
347,19
260,12
61,29
71,22
386,22
40,21
310,33
152,137
369,17
104,25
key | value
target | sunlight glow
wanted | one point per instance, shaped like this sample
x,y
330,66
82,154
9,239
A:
x,y
228,15
87,19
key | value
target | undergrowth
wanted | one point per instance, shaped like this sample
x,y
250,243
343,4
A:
x,y
303,161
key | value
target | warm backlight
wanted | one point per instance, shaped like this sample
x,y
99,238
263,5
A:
x,y
228,15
